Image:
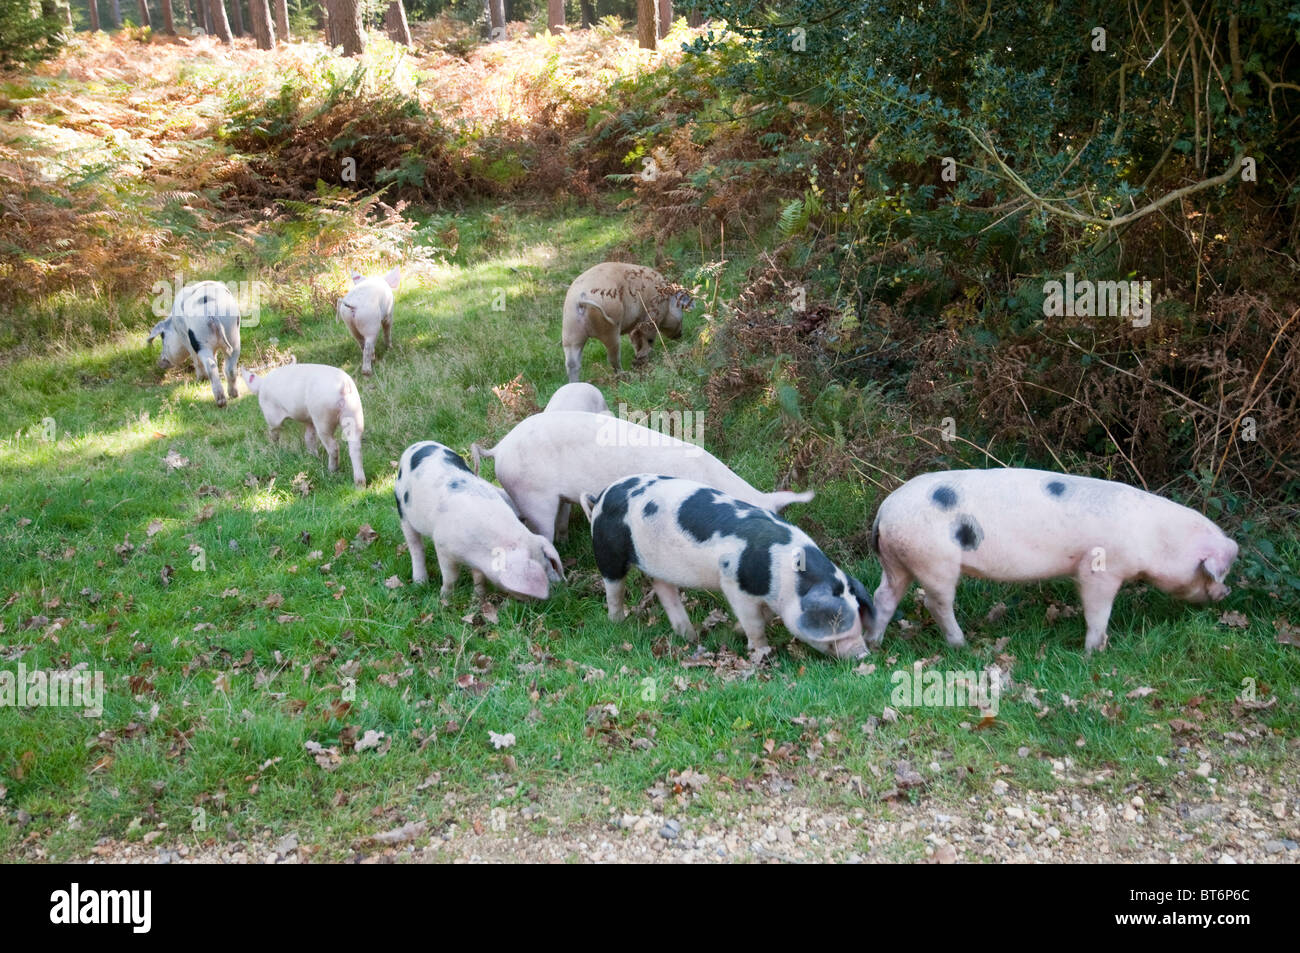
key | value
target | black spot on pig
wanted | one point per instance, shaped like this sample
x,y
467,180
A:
x,y
456,460
398,500
944,497
406,497
611,537
456,485
875,535
419,455
194,342
202,302
967,532
706,512
1056,488
651,509
817,571
645,485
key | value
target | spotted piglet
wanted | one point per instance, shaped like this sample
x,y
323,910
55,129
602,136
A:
x,y
471,523
202,323
682,533
323,398
1015,525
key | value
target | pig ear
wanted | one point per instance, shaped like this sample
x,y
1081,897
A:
x,y
589,501
357,277
1215,567
158,329
553,557
393,278
866,611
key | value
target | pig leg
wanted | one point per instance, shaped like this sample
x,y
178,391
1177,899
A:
x,y
331,447
1097,591
539,513
309,438
232,372
357,335
352,433
893,584
388,331
214,375
480,585
749,612
670,598
573,362
415,545
615,596
368,354
450,573
613,342
562,522
940,585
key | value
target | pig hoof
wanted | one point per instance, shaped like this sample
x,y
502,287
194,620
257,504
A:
x,y
757,655
359,484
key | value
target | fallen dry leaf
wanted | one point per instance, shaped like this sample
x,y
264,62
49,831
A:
x,y
400,835
1287,634
393,582
1234,620
1142,692
154,528
501,741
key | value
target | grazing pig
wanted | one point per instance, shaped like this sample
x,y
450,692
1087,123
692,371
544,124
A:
x,y
324,398
559,456
1024,525
578,396
683,533
204,320
367,308
612,299
470,523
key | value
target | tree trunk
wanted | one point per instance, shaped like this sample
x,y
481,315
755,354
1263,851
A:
x,y
588,11
220,25
645,24
169,18
497,16
93,7
694,18
205,14
555,15
281,10
236,18
665,17
116,9
259,12
144,13
395,25
345,26
67,15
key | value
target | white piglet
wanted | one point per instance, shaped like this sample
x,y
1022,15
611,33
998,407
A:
x,y
556,457
582,397
471,524
1014,525
367,309
323,398
203,322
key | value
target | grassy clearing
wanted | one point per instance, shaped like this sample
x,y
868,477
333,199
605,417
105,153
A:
x,y
217,679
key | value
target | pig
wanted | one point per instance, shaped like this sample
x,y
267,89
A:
x,y
1014,525
577,396
612,299
367,308
683,533
323,398
204,320
471,524
554,457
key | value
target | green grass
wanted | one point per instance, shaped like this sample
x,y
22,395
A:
x,y
226,695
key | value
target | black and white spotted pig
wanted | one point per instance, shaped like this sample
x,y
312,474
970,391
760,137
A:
x,y
683,533
204,321
471,523
1013,525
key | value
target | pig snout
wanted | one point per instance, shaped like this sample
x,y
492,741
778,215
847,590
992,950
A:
x,y
521,575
